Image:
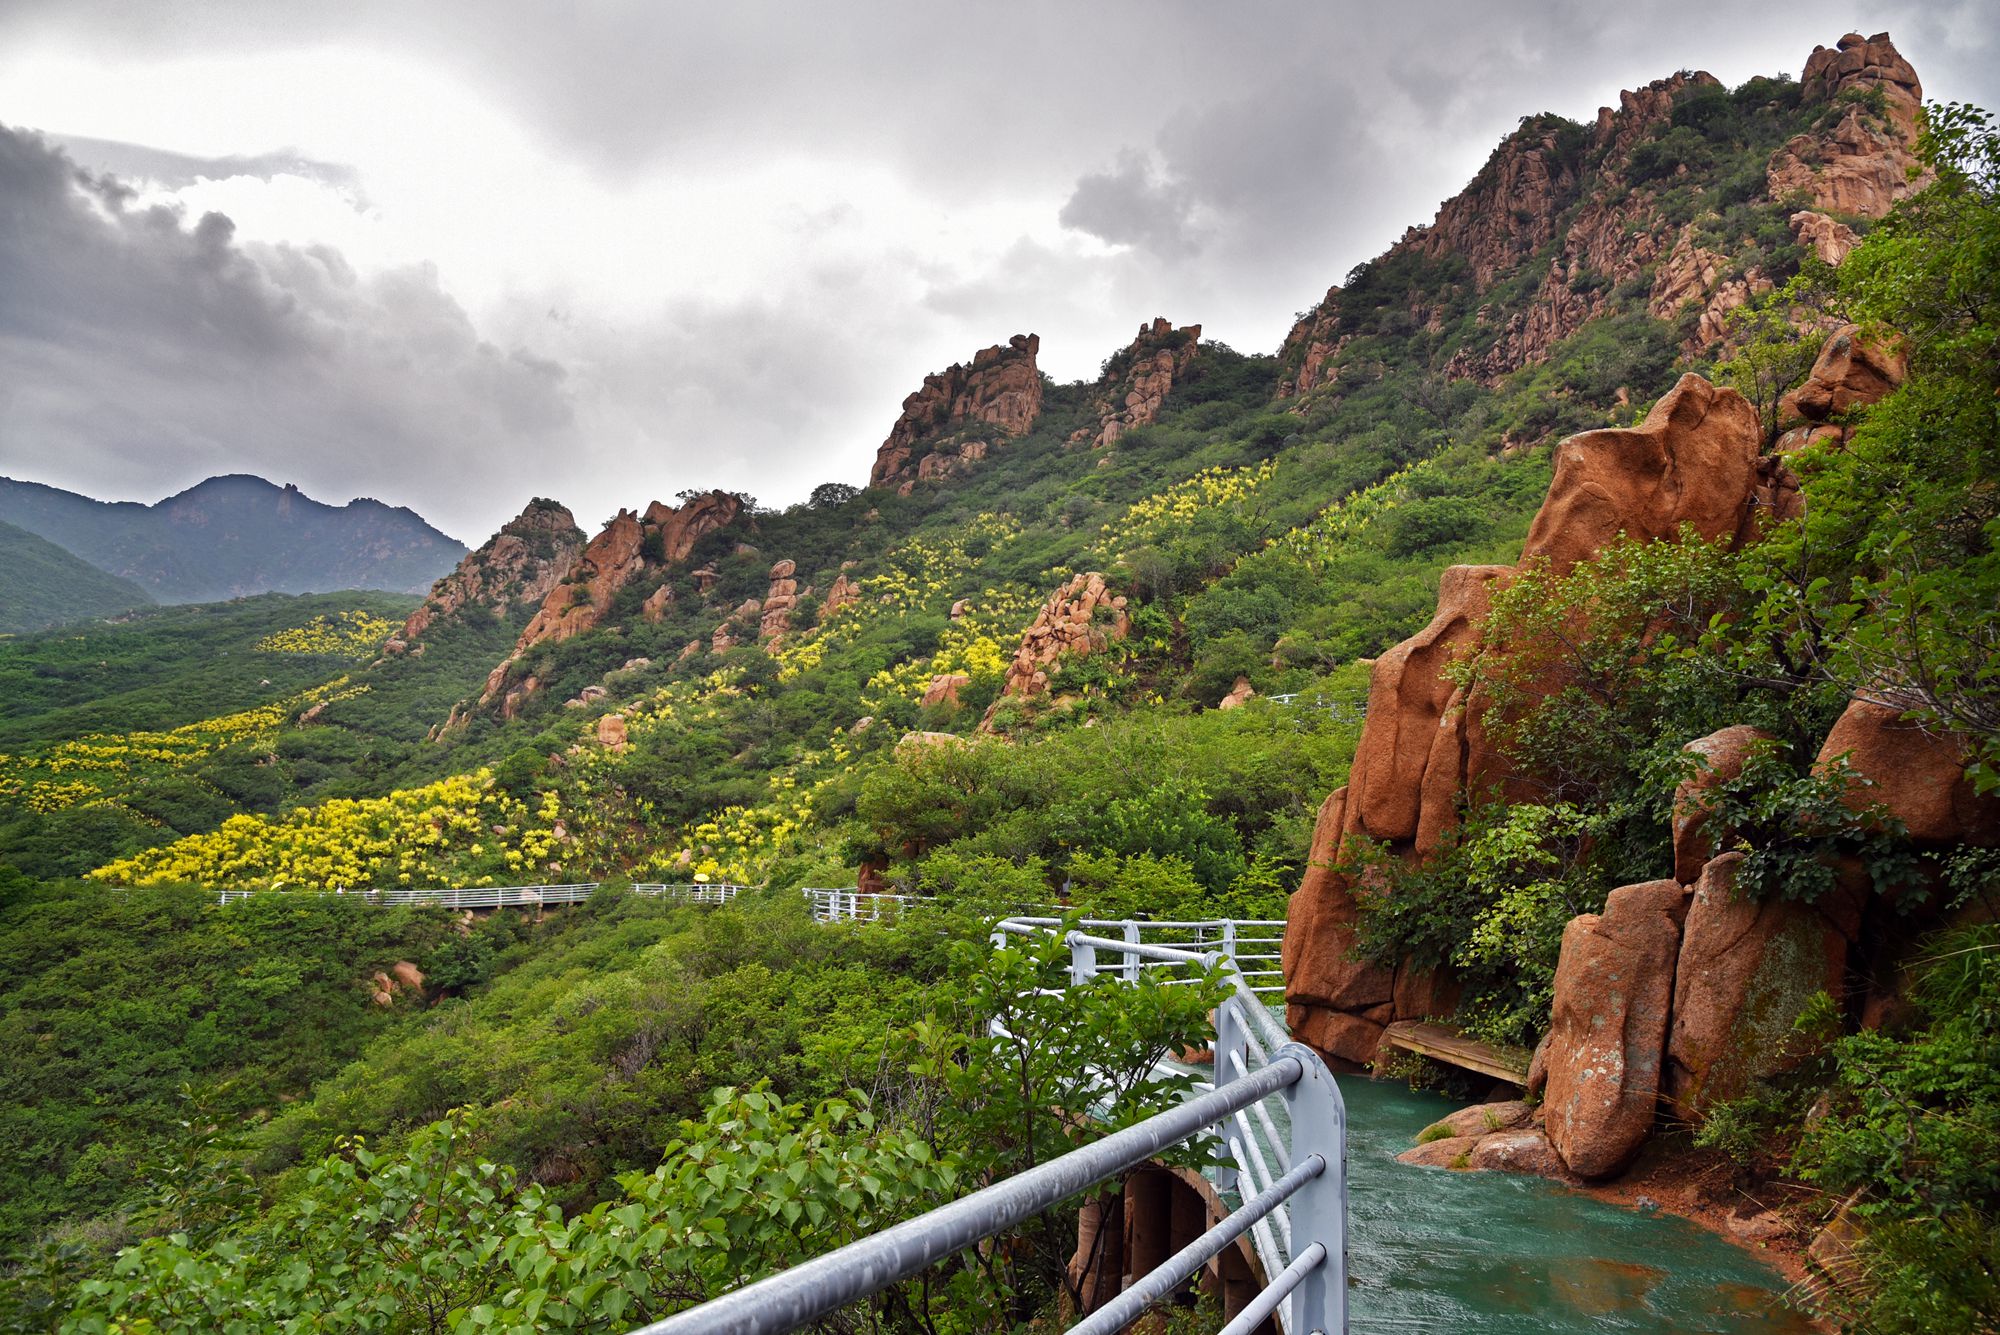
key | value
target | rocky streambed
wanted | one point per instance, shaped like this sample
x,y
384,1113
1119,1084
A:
x,y
1499,1253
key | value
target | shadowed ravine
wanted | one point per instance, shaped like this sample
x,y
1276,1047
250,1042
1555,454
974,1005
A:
x,y
1442,1252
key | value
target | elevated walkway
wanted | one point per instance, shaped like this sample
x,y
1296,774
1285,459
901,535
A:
x,y
1447,1045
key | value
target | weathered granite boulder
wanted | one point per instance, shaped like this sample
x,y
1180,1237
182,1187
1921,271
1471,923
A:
x,y
1722,756
1746,972
1608,1027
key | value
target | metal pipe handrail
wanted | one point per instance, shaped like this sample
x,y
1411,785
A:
x,y
1158,1282
810,1290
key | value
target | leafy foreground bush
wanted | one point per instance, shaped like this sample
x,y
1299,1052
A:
x,y
435,1238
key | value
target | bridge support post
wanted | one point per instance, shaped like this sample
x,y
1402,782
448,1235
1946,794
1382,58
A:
x,y
1319,1210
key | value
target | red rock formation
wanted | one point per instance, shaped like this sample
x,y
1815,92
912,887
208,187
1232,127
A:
x,y
945,688
1849,373
1067,624
843,593
1608,1026
1917,777
1136,383
654,609
748,613
1722,755
611,732
629,546
530,555
1002,389
1864,163
1239,694
1745,974
1542,189
1828,238
779,600
1694,460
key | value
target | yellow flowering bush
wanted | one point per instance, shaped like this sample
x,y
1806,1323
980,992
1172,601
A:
x,y
459,831
1329,530
83,768
1164,513
352,634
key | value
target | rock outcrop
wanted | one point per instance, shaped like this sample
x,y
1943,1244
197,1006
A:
x,y
843,592
960,412
1138,379
1850,371
1585,205
1608,1027
779,600
1082,617
1830,240
1722,755
531,554
1913,775
1423,749
1746,972
1867,160
630,546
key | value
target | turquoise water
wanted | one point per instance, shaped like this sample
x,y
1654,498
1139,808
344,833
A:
x,y
1442,1252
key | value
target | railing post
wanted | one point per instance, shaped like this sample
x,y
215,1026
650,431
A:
x,y
1228,1041
1319,1210
1131,958
1082,960
1229,940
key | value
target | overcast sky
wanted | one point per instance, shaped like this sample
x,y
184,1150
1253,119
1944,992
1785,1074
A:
x,y
455,254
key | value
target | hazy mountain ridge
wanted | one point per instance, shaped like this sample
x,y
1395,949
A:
x,y
237,535
48,586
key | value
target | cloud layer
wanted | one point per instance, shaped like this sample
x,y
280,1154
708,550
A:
x,y
608,252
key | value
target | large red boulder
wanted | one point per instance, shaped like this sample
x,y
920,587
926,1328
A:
x,y
1747,971
1320,934
1722,755
1692,461
1917,776
1608,1027
1851,371
1407,700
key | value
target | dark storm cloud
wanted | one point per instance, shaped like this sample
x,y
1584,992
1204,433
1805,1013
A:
x,y
140,345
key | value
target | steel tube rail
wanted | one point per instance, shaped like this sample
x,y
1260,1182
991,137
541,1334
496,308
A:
x,y
1157,1283
806,1292
1265,1303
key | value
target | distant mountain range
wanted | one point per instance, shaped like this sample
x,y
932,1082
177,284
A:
x,y
47,586
236,535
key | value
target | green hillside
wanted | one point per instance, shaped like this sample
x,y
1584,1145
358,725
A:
x,y
46,586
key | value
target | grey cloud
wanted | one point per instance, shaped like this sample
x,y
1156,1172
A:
x,y
174,170
138,348
1133,204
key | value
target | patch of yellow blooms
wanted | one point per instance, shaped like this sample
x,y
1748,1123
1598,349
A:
x,y
457,832
98,763
354,634
1159,515
1323,537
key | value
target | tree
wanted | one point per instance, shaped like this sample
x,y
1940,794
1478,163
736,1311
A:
x,y
828,495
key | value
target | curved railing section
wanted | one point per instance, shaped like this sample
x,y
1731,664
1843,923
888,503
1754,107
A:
x,y
1283,1179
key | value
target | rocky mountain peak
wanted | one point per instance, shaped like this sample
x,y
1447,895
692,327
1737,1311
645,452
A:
x,y
961,412
1563,216
531,554
1138,378
629,546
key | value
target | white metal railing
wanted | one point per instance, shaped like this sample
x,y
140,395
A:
x,y
1289,1189
511,896
857,905
1247,1035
